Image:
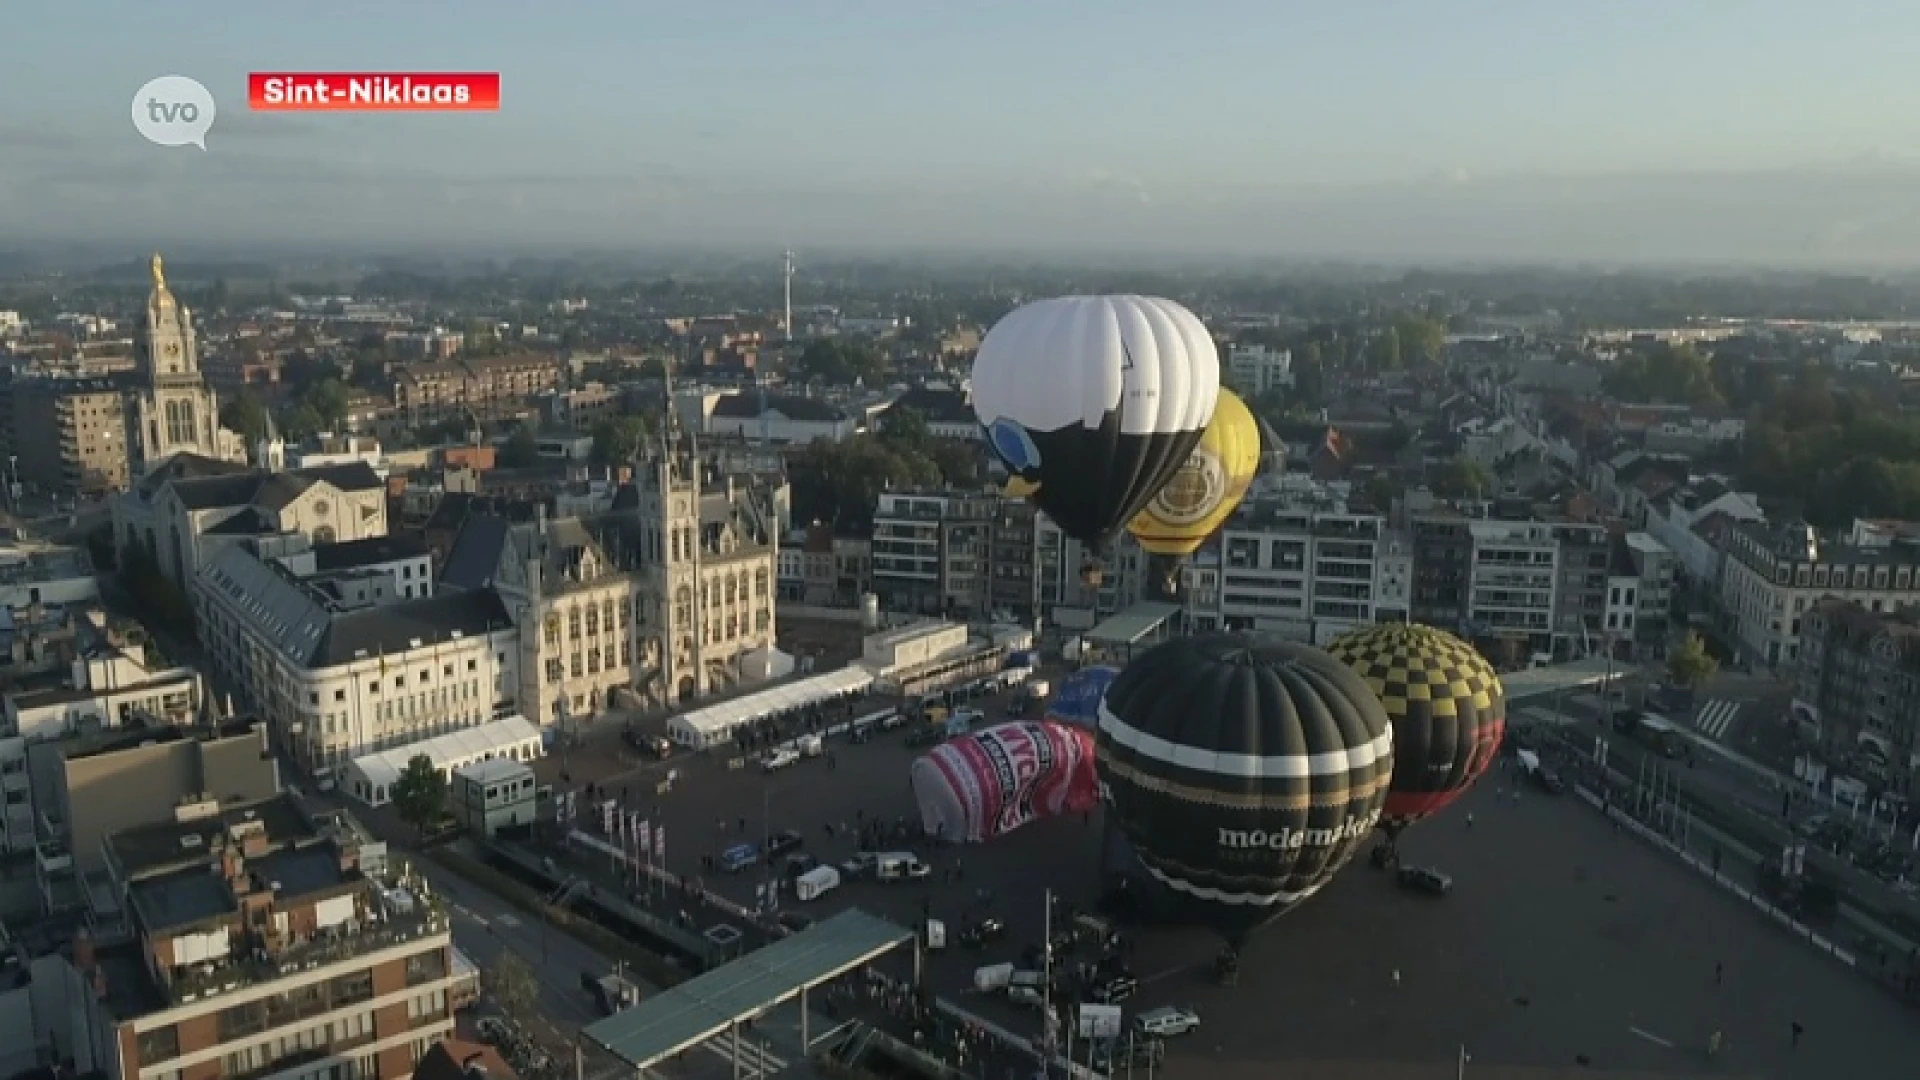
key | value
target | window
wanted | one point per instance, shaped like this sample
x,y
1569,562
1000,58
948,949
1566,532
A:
x,y
352,989
426,967
339,695
160,1045
593,620
553,630
573,625
555,670
239,1021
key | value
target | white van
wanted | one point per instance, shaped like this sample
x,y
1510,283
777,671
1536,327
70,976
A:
x,y
810,745
816,883
992,978
1161,1023
901,866
1027,988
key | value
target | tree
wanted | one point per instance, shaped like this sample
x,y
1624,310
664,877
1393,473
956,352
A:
x,y
1461,477
512,985
841,362
1690,664
905,428
420,793
1383,352
618,440
521,451
247,416
1420,339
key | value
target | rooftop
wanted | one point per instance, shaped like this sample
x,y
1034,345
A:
x,y
702,1007
355,554
149,849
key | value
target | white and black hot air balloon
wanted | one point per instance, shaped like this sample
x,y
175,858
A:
x,y
1093,403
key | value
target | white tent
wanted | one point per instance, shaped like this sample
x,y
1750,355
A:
x,y
766,662
370,778
715,724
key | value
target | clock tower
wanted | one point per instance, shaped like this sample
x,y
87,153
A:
x,y
176,412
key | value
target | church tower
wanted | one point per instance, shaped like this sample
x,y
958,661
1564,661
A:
x,y
175,412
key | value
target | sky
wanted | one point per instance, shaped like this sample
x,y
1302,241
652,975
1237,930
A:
x,y
1407,131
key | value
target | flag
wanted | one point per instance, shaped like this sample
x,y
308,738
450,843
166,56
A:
x,y
646,839
1336,443
660,845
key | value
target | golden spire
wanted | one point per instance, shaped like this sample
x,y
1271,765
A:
x,y
159,274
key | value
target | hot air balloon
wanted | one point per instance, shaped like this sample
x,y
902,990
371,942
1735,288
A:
x,y
1093,403
1205,490
1077,699
1449,713
991,782
1243,770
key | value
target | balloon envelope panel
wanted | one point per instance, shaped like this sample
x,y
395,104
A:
x,y
1205,490
1244,770
1093,402
1448,707
989,783
1076,700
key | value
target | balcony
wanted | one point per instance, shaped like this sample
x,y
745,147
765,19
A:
x,y
397,923
52,859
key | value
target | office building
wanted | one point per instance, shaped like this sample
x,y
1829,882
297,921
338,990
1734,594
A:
x,y
1306,573
66,435
1772,575
1857,685
336,679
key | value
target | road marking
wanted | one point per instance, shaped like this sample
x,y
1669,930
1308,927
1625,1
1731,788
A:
x,y
1716,717
1651,1037
509,922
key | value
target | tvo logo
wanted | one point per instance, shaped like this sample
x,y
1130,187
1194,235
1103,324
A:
x,y
173,110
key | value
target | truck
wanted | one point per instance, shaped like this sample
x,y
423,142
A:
x,y
816,883
611,993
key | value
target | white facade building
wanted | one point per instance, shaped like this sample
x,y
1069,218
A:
x,y
1773,576
336,682
1304,573
1255,369
1512,578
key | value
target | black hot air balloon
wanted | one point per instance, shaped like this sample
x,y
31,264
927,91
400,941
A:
x,y
1093,403
1243,770
1448,708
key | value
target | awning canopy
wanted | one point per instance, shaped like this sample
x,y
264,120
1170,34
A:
x,y
703,727
1128,627
507,737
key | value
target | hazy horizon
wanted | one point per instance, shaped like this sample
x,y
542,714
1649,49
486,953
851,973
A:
x,y
1394,133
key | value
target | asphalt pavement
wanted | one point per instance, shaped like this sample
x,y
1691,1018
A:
x,y
1564,939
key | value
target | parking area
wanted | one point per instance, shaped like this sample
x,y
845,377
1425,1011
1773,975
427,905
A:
x,y
1561,942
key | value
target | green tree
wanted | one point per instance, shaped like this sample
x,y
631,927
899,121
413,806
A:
x,y
1668,373
1383,352
247,416
905,428
521,450
512,985
1461,477
618,440
1420,339
328,399
420,793
842,362
1690,664
1381,490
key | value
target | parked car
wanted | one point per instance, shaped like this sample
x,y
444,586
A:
x,y
775,760
979,934
1166,1021
782,842
1425,880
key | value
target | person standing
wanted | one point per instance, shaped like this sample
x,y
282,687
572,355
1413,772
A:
x,y
1797,1032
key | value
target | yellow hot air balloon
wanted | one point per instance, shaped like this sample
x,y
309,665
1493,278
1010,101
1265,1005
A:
x,y
1206,489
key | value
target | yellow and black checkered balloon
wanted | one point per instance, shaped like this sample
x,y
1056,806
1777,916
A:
x,y
1448,709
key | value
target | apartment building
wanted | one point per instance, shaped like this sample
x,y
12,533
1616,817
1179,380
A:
x,y
1857,682
933,551
1639,596
1254,369
1511,582
1773,574
84,789
265,940
337,680
1442,561
483,388
67,435
1580,596
1307,573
